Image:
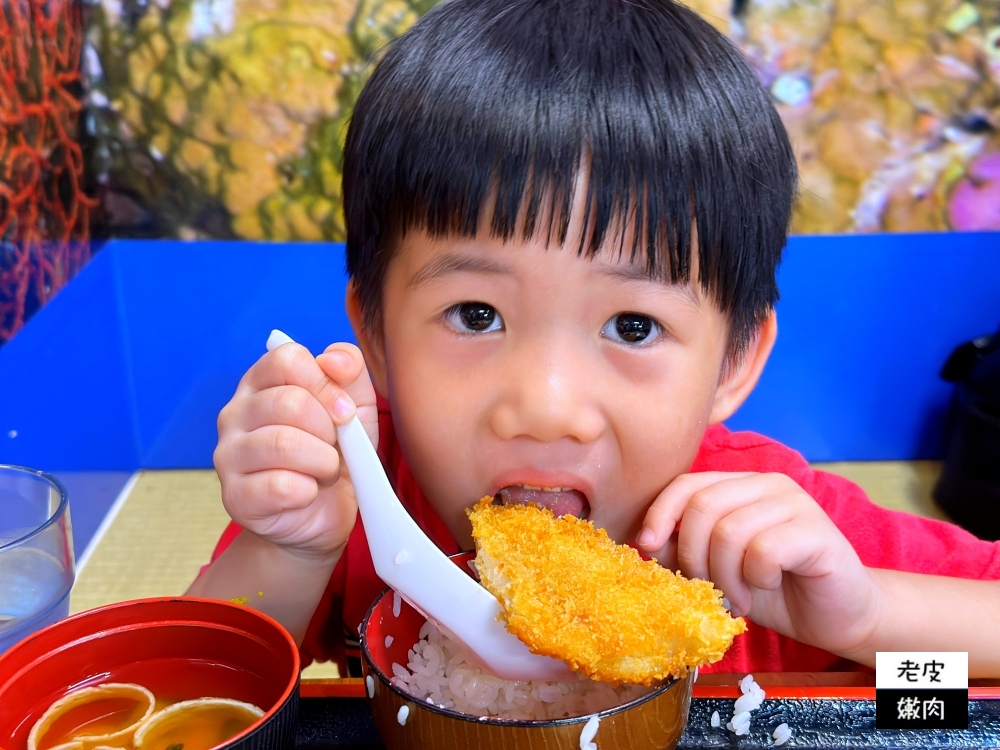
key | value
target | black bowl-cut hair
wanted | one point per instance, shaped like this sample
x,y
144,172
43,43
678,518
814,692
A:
x,y
506,100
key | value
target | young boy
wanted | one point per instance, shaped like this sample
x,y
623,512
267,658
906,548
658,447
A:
x,y
564,219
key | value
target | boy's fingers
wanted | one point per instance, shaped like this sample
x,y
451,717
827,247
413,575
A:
x,y
264,494
293,364
664,514
288,405
730,539
282,447
801,547
666,556
705,509
774,551
344,364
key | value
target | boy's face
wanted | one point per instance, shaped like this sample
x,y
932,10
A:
x,y
515,364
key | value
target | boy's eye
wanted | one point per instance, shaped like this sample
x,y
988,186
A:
x,y
474,316
632,328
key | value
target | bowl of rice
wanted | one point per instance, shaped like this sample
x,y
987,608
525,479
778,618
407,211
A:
x,y
425,693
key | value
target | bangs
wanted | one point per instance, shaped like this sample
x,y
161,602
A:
x,y
490,108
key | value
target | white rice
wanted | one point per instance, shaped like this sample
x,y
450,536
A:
x,y
437,669
751,699
388,641
370,684
396,603
740,723
746,703
715,720
404,711
782,734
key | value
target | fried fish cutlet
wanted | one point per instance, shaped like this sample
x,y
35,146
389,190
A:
x,y
568,591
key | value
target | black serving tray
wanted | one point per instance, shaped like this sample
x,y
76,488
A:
x,y
817,723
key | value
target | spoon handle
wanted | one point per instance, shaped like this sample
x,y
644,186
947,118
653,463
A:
x,y
399,548
409,562
402,553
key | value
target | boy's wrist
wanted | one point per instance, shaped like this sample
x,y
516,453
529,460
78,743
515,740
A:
x,y
311,557
872,634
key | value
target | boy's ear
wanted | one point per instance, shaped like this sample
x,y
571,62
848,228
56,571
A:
x,y
741,379
370,345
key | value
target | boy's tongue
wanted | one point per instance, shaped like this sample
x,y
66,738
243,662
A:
x,y
561,502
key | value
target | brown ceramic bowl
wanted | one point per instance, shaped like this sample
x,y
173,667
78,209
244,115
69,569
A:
x,y
653,722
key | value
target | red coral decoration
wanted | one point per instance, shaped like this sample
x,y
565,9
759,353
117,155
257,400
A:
x,y
44,213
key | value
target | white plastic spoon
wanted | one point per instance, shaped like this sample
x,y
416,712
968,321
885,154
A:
x,y
421,574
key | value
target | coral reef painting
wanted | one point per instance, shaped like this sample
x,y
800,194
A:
x,y
225,118
44,211
889,103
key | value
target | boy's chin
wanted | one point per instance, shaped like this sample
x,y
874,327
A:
x,y
561,501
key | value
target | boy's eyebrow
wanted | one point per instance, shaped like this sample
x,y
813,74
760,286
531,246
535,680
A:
x,y
634,273
452,262
456,262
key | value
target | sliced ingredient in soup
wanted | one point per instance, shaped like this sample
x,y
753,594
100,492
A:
x,y
124,716
196,725
104,716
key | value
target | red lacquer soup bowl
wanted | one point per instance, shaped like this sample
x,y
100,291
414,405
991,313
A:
x,y
179,648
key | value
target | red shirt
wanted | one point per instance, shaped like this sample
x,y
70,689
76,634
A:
x,y
882,538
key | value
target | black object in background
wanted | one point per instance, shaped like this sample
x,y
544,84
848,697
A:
x,y
969,487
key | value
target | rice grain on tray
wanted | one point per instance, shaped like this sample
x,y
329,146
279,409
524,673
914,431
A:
x,y
588,733
740,723
782,734
751,700
437,668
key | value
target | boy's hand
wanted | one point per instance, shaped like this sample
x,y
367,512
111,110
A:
x,y
281,474
773,552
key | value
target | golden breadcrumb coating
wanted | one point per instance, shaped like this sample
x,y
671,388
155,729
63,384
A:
x,y
568,591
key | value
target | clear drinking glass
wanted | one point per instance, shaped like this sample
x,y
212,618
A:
x,y
36,553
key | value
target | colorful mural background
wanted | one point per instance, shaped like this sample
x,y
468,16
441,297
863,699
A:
x,y
44,212
225,118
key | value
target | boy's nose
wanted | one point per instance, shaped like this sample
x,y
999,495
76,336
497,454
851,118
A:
x,y
547,395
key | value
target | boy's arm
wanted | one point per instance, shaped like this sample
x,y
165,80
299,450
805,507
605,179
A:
x,y
283,483
935,613
279,581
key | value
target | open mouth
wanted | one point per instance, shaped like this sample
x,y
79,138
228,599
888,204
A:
x,y
562,501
